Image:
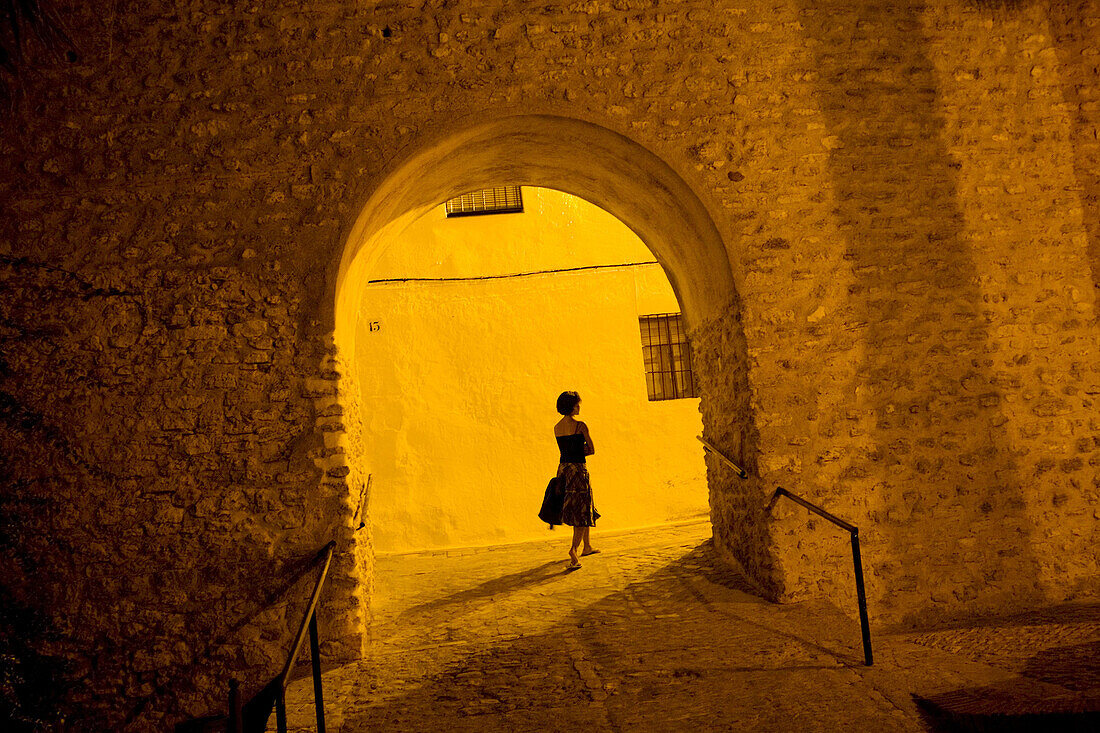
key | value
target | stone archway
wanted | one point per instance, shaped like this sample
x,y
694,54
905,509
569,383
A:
x,y
629,182
569,155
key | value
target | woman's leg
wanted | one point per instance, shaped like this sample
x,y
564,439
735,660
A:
x,y
587,544
578,536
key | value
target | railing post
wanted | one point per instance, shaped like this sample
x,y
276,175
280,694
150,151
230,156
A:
x,y
234,706
861,597
315,654
280,710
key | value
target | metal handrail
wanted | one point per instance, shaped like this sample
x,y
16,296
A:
x,y
857,562
254,714
711,449
327,554
309,622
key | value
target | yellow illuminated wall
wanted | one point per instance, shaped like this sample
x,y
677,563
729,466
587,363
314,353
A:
x,y
458,379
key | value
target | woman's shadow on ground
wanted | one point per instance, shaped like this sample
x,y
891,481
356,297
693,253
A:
x,y
503,585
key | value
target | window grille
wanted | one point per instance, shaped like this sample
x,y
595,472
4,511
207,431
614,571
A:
x,y
499,200
667,357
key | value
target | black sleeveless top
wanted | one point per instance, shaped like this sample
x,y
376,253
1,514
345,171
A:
x,y
571,447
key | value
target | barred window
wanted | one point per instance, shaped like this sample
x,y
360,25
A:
x,y
499,200
667,357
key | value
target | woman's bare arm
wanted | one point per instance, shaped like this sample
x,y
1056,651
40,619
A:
x,y
589,447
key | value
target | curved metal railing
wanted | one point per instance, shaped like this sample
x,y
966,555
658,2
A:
x,y
857,559
857,562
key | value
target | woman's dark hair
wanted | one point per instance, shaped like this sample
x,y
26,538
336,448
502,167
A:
x,y
567,401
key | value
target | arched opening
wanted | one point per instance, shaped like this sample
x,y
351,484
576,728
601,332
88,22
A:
x,y
468,328
637,188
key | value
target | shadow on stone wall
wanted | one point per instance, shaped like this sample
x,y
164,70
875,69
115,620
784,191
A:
x,y
1074,34
949,525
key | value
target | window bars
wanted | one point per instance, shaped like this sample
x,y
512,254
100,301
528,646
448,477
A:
x,y
499,200
667,357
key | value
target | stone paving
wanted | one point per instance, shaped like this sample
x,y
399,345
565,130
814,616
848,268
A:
x,y
655,634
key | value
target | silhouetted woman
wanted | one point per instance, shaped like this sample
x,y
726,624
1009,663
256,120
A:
x,y
575,443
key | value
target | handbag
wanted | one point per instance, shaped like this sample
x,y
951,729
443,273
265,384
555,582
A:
x,y
552,502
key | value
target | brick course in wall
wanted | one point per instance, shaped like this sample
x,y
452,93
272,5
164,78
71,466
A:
x,y
909,194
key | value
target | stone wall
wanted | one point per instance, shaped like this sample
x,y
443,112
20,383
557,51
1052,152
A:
x,y
155,443
1074,67
909,196
738,506
958,313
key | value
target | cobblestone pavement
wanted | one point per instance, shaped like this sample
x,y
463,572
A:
x,y
654,634
1059,645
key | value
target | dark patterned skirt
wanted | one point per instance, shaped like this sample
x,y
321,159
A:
x,y
577,509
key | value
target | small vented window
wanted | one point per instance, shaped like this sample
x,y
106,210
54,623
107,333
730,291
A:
x,y
667,357
499,200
